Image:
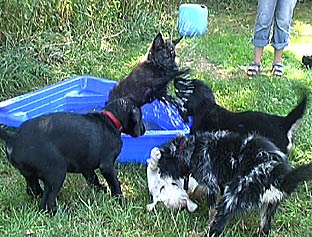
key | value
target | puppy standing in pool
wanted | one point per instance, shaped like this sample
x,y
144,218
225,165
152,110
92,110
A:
x,y
46,147
149,80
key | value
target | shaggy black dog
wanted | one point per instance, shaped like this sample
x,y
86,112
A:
x,y
239,173
46,147
207,115
149,79
307,61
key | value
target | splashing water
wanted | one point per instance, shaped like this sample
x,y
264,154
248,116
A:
x,y
161,116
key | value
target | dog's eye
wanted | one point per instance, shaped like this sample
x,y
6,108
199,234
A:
x,y
162,187
175,184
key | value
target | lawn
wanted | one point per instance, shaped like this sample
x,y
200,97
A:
x,y
41,52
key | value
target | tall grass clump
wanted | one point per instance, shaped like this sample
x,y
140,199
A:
x,y
59,39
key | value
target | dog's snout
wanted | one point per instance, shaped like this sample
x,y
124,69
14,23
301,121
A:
x,y
143,129
162,188
174,184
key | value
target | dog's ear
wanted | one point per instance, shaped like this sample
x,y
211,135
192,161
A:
x,y
158,41
190,205
176,41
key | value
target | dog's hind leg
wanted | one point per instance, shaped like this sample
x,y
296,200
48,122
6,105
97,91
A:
x,y
267,212
240,195
33,187
93,180
52,185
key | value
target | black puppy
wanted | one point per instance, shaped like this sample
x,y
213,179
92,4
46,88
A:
x,y
149,79
207,115
307,61
238,173
46,147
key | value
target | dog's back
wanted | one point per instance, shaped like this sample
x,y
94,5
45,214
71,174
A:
x,y
68,134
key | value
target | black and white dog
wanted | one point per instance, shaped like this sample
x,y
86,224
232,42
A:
x,y
199,102
239,173
46,147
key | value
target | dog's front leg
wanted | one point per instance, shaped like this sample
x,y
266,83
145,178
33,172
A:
x,y
93,180
33,187
110,174
267,212
220,220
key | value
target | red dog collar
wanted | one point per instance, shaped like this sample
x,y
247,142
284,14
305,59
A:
x,y
112,118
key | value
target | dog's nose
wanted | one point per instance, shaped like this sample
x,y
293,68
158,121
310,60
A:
x,y
143,129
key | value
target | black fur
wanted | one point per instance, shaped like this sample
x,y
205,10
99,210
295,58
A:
x,y
239,173
207,115
46,147
307,61
149,80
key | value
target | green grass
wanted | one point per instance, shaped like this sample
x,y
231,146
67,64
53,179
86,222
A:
x,y
79,37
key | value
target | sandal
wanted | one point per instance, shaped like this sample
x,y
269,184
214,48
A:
x,y
277,69
254,69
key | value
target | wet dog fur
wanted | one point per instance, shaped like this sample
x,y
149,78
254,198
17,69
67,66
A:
x,y
166,190
149,80
239,173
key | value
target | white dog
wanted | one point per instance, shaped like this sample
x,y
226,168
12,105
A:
x,y
167,190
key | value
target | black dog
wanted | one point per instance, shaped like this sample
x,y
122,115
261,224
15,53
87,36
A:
x,y
207,115
47,147
149,79
307,61
239,173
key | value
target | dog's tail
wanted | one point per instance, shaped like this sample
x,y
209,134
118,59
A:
x,y
295,177
6,133
294,117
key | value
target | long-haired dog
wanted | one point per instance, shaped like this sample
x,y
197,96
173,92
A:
x,y
199,102
149,80
239,173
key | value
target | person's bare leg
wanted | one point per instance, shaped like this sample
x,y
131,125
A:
x,y
258,52
254,68
278,56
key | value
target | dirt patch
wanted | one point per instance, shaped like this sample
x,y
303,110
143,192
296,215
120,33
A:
x,y
202,65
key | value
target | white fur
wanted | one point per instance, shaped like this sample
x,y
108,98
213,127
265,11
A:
x,y
272,195
290,134
164,189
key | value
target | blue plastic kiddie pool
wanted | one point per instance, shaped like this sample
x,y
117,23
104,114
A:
x,y
83,94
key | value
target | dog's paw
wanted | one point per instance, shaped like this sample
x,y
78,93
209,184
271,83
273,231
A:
x,y
155,153
150,206
152,162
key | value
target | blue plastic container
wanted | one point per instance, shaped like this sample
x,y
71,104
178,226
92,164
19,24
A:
x,y
84,94
192,20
